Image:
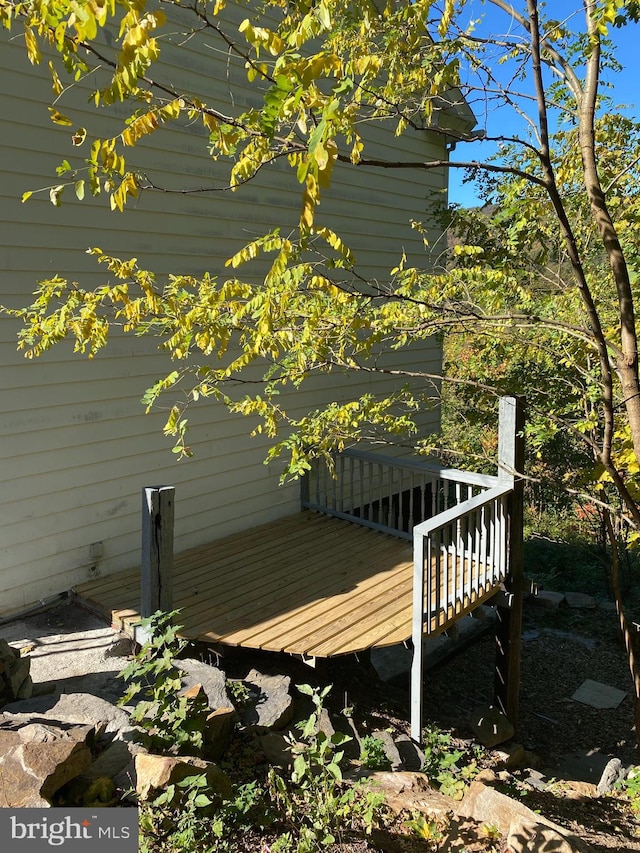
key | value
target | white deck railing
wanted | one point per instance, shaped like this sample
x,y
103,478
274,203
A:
x,y
460,557
386,493
459,522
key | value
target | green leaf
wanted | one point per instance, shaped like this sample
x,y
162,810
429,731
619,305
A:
x,y
299,767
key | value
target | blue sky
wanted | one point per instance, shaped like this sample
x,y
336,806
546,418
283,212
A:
x,y
626,84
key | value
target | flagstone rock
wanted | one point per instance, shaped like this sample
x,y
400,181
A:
x,y
580,600
272,704
15,680
218,725
410,753
547,598
155,772
37,759
212,679
113,760
513,756
390,749
199,676
409,791
79,708
276,749
612,773
598,695
515,820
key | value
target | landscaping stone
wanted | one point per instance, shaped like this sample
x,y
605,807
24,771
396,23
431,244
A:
x,y
390,749
515,820
598,695
121,647
512,756
15,680
37,759
218,732
606,605
392,662
325,723
573,790
490,726
410,753
272,705
537,780
408,791
212,679
612,773
276,749
155,772
113,760
79,708
580,600
547,598
586,766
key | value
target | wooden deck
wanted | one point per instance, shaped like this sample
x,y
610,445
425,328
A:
x,y
307,584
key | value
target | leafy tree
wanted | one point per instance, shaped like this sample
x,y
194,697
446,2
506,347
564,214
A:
x,y
547,283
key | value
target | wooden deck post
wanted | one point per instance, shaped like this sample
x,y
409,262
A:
x,y
157,549
509,629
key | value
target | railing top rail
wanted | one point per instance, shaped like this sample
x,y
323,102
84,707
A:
x,y
469,477
442,519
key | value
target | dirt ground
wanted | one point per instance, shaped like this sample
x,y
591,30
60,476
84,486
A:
x,y
71,650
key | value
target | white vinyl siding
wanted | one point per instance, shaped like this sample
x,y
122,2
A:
x,y
75,445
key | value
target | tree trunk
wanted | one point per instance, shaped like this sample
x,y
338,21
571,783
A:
x,y
627,636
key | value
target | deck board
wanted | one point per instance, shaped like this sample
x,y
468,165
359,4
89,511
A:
x,y
307,584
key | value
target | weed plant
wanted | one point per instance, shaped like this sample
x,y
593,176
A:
x,y
301,812
447,767
170,723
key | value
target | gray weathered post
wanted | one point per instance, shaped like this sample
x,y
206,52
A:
x,y
157,549
509,630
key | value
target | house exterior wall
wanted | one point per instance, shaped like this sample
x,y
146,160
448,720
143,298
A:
x,y
75,445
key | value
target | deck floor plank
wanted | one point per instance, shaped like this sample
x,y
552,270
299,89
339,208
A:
x,y
307,584
313,582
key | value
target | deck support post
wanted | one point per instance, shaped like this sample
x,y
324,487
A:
x,y
417,633
157,549
509,627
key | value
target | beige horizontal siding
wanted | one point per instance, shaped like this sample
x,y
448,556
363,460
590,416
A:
x,y
75,445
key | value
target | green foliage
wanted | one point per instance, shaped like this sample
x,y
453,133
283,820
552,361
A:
x,y
238,692
630,788
535,294
373,754
442,763
189,818
171,723
427,829
301,813
316,802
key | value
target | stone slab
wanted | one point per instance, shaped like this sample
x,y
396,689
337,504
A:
x,y
580,600
393,663
548,598
585,766
598,695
